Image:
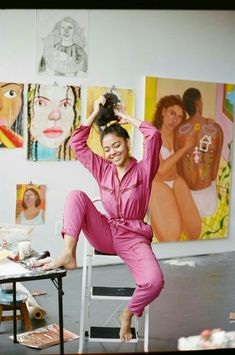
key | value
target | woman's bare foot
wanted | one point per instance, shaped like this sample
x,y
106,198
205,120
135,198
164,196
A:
x,y
66,261
125,330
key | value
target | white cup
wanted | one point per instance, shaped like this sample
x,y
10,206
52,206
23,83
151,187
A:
x,y
24,249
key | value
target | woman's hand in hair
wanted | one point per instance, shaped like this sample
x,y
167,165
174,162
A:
x,y
96,106
124,118
100,101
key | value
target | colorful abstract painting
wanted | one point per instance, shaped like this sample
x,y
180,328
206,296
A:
x,y
53,115
30,204
127,100
11,115
191,192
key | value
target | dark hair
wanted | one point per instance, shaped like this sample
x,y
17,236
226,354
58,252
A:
x,y
106,112
38,199
165,102
116,129
18,124
190,97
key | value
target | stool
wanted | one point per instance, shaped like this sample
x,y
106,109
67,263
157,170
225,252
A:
x,y
6,304
90,292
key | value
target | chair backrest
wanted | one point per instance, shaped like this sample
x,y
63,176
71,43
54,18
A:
x,y
98,204
96,199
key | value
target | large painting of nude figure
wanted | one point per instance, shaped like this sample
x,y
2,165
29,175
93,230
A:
x,y
191,191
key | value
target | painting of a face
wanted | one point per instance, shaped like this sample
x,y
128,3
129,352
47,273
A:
x,y
172,116
66,30
10,103
30,198
52,114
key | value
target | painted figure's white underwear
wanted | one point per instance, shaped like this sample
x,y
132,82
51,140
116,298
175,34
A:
x,y
170,183
206,200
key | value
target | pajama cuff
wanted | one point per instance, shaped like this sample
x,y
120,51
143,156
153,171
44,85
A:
x,y
69,232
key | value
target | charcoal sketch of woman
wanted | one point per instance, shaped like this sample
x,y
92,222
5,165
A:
x,y
64,49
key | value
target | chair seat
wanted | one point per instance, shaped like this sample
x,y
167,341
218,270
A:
x,y
97,252
6,298
6,304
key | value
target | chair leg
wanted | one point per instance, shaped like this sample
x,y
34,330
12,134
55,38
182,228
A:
x,y
83,298
25,316
1,309
146,329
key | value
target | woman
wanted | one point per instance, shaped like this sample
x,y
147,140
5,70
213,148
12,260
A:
x,y
172,209
124,188
32,214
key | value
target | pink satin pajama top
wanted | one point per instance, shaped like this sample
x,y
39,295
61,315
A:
x,y
125,201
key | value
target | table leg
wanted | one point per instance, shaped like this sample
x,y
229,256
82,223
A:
x,y
14,314
61,325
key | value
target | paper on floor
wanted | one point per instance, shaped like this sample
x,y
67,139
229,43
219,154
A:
x,y
180,262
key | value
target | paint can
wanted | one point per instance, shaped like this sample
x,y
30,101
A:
x,y
24,249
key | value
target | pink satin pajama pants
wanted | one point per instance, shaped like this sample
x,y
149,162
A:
x,y
81,214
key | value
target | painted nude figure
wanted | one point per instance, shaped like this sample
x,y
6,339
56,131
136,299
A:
x,y
172,208
199,165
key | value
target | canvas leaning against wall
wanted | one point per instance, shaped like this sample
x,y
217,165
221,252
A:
x,y
11,115
30,204
125,97
62,37
191,191
53,115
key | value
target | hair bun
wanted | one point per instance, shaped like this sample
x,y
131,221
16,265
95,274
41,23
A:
x,y
106,113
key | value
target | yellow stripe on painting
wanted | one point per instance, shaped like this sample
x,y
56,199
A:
x,y
150,97
5,141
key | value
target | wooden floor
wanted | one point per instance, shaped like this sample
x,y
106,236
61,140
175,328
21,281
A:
x,y
199,293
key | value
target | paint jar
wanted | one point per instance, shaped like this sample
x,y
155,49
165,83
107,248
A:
x,y
7,288
24,249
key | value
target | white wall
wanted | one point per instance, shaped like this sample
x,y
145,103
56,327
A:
x,y
124,46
